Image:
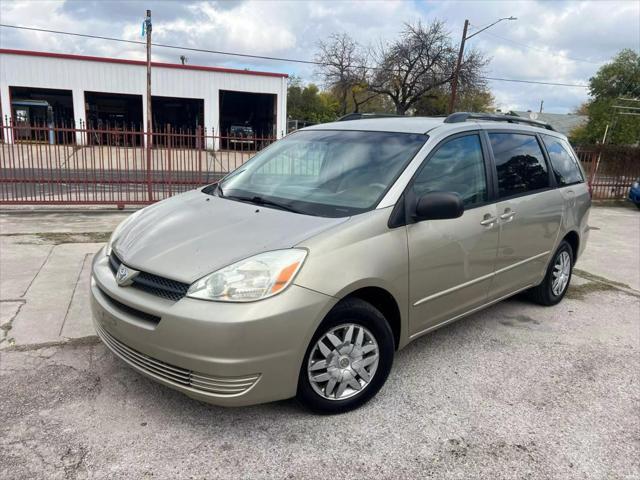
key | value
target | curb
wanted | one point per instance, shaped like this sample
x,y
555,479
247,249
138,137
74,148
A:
x,y
74,211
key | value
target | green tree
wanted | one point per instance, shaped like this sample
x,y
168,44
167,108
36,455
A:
x,y
469,100
613,85
308,103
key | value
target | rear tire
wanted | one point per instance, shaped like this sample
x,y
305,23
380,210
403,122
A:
x,y
348,359
556,281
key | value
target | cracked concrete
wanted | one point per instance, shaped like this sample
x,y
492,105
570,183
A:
x,y
9,310
50,295
515,391
45,261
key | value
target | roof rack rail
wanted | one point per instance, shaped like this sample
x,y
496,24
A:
x,y
460,117
360,116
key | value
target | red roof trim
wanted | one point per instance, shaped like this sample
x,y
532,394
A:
x,y
67,56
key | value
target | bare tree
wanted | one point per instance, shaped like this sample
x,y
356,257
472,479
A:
x,y
421,61
341,68
359,89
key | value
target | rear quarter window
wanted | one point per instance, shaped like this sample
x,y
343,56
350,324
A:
x,y
564,165
520,163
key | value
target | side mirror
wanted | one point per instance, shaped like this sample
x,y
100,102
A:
x,y
438,206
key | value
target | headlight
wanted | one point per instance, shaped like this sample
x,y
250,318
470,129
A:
x,y
253,278
118,230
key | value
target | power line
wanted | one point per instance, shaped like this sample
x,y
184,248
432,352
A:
x,y
136,42
537,82
246,55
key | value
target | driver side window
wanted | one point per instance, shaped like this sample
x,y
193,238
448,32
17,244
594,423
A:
x,y
457,166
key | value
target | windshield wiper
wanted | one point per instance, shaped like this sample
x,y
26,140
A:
x,y
257,200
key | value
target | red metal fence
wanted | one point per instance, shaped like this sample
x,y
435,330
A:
x,y
41,165
96,166
610,169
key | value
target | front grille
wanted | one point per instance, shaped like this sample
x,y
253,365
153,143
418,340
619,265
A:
x,y
160,286
130,310
221,386
153,284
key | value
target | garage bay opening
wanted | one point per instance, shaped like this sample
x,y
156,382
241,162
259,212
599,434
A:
x,y
245,118
42,115
114,119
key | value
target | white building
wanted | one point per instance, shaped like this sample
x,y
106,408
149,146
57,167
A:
x,y
111,93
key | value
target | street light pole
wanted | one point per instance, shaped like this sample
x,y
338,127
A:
x,y
456,72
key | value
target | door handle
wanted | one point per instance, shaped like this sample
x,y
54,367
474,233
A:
x,y
507,215
488,221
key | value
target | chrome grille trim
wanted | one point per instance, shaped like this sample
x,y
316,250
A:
x,y
219,386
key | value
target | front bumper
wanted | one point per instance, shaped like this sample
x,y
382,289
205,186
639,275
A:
x,y
229,354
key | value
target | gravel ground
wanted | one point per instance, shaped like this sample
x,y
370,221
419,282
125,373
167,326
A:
x,y
516,391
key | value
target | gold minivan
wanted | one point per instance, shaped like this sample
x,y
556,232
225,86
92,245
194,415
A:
x,y
302,272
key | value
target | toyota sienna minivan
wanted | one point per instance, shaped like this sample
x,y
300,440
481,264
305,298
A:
x,y
303,271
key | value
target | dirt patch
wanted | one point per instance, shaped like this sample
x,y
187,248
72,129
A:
x,y
597,278
521,319
58,238
579,292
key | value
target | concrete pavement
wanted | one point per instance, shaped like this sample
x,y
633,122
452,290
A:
x,y
515,391
44,275
613,250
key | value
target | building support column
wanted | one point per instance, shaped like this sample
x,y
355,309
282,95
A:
x,y
5,103
79,115
212,120
282,111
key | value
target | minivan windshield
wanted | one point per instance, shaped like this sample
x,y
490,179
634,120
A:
x,y
329,173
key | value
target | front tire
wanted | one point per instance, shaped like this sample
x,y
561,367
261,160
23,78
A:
x,y
556,281
348,359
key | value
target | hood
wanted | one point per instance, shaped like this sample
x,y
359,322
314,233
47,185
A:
x,y
191,235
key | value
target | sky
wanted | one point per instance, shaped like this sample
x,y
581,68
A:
x,y
553,41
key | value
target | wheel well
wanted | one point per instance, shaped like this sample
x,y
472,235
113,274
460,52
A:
x,y
573,240
383,301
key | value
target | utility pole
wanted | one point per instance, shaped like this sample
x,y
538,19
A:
x,y
456,71
454,80
541,104
147,28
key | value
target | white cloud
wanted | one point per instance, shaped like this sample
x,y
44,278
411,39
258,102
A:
x,y
557,33
561,41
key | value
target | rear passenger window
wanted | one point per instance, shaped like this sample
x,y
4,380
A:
x,y
457,166
563,163
520,163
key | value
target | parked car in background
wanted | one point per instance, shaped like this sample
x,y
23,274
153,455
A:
x,y
302,272
241,136
634,193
